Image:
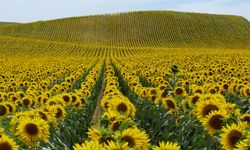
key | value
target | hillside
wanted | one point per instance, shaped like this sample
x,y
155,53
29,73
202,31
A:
x,y
140,29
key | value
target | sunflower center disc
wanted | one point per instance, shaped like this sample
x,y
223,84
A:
x,y
216,122
170,104
122,107
3,110
130,140
234,136
5,146
31,129
208,109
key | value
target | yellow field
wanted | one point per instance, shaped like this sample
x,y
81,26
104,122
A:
x,y
61,94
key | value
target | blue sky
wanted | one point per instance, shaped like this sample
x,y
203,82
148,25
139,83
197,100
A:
x,y
35,10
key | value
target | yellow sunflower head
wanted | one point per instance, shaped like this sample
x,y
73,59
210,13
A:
x,y
89,145
66,98
180,91
185,105
169,103
46,116
167,146
4,110
7,143
32,130
243,145
114,125
59,111
74,98
214,121
11,106
27,101
232,135
116,146
122,106
204,107
245,117
134,137
103,137
195,98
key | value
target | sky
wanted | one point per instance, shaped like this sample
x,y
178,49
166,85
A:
x,y
36,10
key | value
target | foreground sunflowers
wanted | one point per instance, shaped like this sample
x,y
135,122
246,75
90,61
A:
x,y
191,100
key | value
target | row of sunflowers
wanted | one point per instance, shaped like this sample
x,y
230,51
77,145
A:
x,y
118,129
30,111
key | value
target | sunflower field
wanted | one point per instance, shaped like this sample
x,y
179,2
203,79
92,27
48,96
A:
x,y
122,99
61,91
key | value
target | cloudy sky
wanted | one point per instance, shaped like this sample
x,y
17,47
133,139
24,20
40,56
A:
x,y
35,10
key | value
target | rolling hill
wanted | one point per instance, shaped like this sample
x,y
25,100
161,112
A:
x,y
140,29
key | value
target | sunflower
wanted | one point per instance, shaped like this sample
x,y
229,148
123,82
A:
x,y
56,100
31,114
94,134
185,105
4,111
15,120
116,146
134,137
232,135
105,103
245,117
11,107
114,125
50,114
83,101
153,98
243,145
163,94
2,95
50,118
195,98
43,100
214,121
212,90
67,98
27,101
32,130
246,91
152,91
100,135
233,88
167,146
198,89
14,98
78,103
75,98
162,87
180,91
58,110
122,105
51,102
169,103
231,107
7,143
89,145
204,107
